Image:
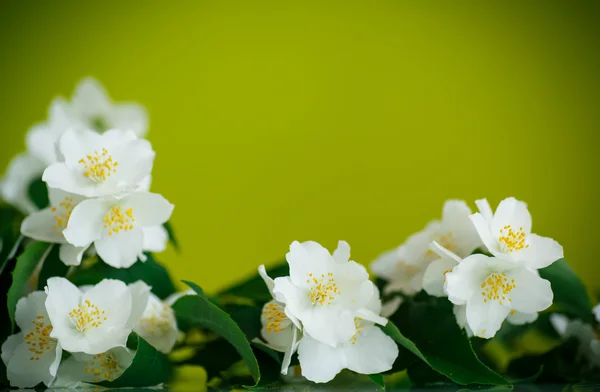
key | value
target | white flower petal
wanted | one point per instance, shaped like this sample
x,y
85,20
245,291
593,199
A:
x,y
289,352
75,145
71,255
58,175
42,226
520,318
560,323
23,372
135,162
90,98
391,306
140,295
596,312
465,279
149,209
342,253
268,281
31,309
63,296
130,116
9,346
14,186
464,237
435,276
485,318
308,258
155,238
319,362
483,229
121,250
86,222
542,252
532,293
374,352
511,212
485,209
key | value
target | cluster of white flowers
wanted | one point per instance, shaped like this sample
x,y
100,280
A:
x,y
327,310
98,171
485,290
92,323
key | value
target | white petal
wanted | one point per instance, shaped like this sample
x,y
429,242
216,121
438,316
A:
x,y
289,352
58,175
460,312
560,323
135,160
374,352
86,222
40,141
144,185
443,252
42,226
31,309
465,279
23,372
435,276
483,229
75,145
520,318
541,253
140,293
596,312
121,250
391,306
308,258
90,98
9,346
532,293
319,362
63,296
485,319
130,116
14,186
511,212
464,236
485,209
155,238
149,209
342,253
71,255
268,281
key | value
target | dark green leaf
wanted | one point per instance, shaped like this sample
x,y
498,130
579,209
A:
x,y
378,380
430,332
198,311
247,318
26,263
254,287
270,367
38,193
171,233
419,373
52,266
149,368
150,271
10,233
570,294
561,364
215,357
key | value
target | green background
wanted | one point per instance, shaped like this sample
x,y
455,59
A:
x,y
275,121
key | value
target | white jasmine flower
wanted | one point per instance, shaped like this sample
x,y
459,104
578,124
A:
x,y
82,368
94,108
100,165
115,226
48,225
368,351
281,332
324,292
98,319
31,356
405,266
491,288
14,186
157,325
507,234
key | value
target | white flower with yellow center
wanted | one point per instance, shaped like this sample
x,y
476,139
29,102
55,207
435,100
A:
x,y
48,225
279,331
31,356
97,319
79,370
491,288
507,234
368,351
157,325
116,226
405,266
95,165
325,292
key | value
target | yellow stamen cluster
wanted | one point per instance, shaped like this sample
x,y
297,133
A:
x,y
62,217
103,367
38,339
87,316
496,287
324,289
359,326
274,315
117,220
159,323
512,240
98,167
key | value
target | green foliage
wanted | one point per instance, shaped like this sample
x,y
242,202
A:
x,y
33,255
52,266
198,312
171,233
377,380
38,193
149,368
150,271
10,233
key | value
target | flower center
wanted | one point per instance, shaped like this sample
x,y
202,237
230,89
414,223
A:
x,y
276,318
323,290
38,339
511,240
87,316
359,326
103,367
62,213
160,322
116,220
98,167
496,287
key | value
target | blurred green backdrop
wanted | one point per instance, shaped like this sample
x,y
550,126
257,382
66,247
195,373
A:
x,y
275,121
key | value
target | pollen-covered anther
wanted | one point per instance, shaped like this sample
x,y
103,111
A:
x,y
62,213
512,240
324,290
496,288
87,316
275,316
117,220
98,167
38,338
359,326
103,367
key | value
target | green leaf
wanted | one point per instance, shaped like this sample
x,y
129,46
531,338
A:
x,y
430,332
171,233
254,287
26,263
215,357
150,271
247,318
52,266
197,311
38,193
377,380
10,233
149,368
570,294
